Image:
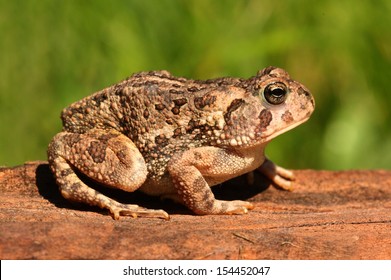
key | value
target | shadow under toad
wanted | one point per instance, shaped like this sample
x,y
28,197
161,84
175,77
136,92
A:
x,y
235,189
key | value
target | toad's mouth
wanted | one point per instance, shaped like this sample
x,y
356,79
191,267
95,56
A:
x,y
272,134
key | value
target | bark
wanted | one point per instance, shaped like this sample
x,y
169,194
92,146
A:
x,y
329,215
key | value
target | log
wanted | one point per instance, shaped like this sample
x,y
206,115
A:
x,y
329,215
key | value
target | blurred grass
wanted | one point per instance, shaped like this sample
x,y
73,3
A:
x,y
55,52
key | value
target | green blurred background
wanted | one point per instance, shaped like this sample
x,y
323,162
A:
x,y
53,53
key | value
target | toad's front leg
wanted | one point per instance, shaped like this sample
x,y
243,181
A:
x,y
195,170
281,177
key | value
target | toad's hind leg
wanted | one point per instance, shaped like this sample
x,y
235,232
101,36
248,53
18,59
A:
x,y
107,157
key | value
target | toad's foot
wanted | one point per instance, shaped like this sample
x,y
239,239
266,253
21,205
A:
x,y
235,207
281,177
119,209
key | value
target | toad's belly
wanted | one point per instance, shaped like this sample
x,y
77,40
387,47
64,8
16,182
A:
x,y
163,185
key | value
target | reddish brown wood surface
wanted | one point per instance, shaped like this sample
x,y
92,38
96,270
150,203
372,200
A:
x,y
330,215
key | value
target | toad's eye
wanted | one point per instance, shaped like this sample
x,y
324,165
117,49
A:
x,y
275,93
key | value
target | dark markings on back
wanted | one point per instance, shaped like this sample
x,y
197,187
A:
x,y
235,104
206,100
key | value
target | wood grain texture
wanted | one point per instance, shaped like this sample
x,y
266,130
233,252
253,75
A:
x,y
329,215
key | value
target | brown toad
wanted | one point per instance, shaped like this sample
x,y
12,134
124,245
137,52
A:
x,y
176,138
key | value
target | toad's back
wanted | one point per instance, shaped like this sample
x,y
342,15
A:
x,y
160,113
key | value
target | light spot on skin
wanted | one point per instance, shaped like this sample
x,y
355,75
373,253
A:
x,y
220,123
233,142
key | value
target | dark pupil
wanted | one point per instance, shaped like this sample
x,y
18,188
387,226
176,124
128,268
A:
x,y
275,93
